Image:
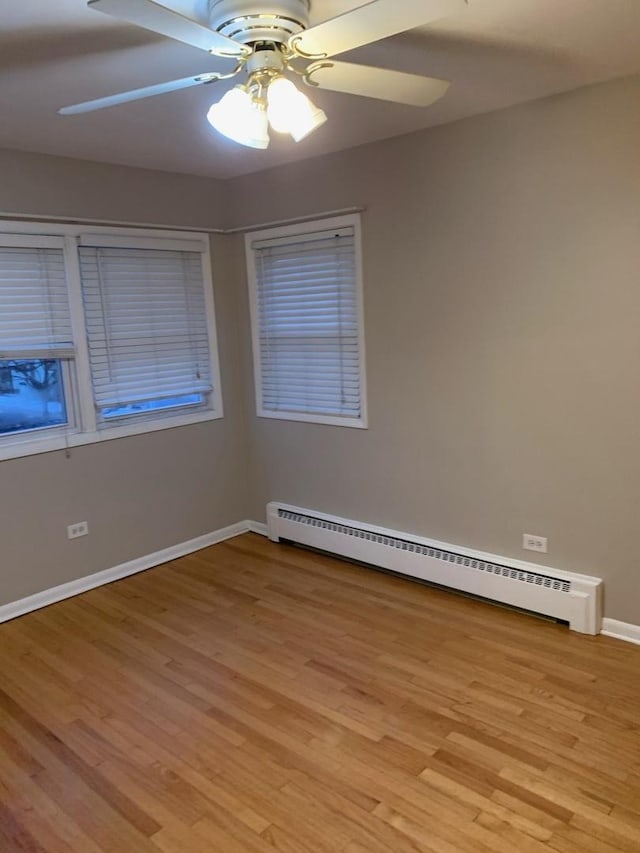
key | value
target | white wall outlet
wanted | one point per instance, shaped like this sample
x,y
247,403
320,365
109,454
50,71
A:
x,y
530,542
80,528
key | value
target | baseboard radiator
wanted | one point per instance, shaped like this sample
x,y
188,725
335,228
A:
x,y
570,597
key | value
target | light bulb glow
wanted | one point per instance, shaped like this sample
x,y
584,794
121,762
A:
x,y
239,118
283,101
290,111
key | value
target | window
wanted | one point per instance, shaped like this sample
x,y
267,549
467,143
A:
x,y
102,335
36,341
306,310
147,330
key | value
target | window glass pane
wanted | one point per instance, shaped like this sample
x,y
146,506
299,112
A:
x,y
31,395
153,406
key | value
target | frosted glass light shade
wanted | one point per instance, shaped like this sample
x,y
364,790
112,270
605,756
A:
x,y
289,111
307,118
238,118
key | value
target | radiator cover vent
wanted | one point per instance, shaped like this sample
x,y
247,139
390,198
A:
x,y
568,596
427,551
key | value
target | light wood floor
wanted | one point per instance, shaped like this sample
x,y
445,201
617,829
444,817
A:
x,y
255,697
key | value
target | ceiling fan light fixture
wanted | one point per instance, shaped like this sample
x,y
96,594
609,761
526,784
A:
x,y
289,111
270,38
307,119
238,117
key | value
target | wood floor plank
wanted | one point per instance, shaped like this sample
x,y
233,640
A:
x,y
255,697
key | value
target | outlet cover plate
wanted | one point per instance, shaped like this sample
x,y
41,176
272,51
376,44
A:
x,y
80,528
531,542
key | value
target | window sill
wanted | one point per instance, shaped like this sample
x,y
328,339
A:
x,y
47,444
328,420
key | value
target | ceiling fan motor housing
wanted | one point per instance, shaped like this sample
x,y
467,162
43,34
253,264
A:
x,y
250,21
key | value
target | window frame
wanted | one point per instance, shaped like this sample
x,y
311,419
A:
x,y
308,227
83,427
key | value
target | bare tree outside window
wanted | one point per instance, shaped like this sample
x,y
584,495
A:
x,y
31,395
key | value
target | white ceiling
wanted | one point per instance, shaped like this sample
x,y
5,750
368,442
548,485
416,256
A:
x,y
496,52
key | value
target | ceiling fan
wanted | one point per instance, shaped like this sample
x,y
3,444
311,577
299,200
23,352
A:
x,y
269,39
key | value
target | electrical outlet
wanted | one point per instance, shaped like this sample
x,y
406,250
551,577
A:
x,y
530,542
80,528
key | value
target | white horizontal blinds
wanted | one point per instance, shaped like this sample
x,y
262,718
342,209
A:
x,y
146,323
308,323
35,321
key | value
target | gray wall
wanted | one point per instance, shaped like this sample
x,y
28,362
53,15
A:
x,y
502,299
39,185
140,493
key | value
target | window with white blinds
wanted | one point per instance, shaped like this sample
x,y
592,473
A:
x,y
103,334
147,329
306,307
35,321
36,338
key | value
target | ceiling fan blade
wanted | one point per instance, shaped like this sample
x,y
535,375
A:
x,y
152,16
378,83
374,21
138,94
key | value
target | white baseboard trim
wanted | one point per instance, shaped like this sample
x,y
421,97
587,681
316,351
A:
x,y
610,627
621,630
140,564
